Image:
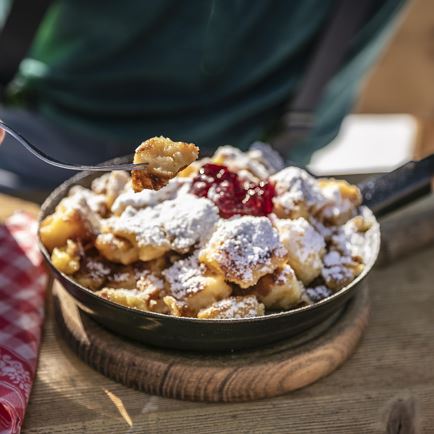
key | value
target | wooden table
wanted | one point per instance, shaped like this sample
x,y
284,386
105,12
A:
x,y
387,386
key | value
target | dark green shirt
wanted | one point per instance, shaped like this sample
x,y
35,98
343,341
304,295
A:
x,y
212,72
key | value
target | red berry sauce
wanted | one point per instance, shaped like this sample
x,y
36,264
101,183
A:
x,y
231,194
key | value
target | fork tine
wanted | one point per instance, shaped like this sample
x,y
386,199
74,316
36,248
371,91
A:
x,y
109,167
78,167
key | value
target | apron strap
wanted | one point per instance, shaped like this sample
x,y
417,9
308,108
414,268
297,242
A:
x,y
17,35
346,20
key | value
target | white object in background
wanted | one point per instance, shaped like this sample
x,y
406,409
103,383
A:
x,y
367,144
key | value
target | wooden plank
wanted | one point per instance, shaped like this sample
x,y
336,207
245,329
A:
x,y
9,204
407,231
394,360
228,377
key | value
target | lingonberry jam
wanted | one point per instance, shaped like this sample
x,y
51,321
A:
x,y
231,194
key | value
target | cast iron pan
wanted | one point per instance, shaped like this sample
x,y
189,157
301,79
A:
x,y
381,195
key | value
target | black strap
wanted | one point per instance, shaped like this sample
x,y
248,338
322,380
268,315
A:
x,y
17,35
347,18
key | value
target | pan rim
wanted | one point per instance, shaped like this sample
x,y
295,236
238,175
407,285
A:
x,y
63,187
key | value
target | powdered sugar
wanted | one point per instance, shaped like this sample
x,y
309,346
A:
x,y
317,293
332,258
95,202
295,187
244,245
336,205
185,277
337,268
350,239
340,201
176,186
134,297
95,268
120,276
148,282
337,273
264,153
179,223
111,184
188,220
301,238
286,274
234,307
145,224
325,231
145,296
77,203
261,160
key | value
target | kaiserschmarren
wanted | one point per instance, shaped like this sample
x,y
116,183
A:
x,y
164,159
236,235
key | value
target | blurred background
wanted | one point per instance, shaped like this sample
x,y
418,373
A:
x,y
402,80
393,118
395,109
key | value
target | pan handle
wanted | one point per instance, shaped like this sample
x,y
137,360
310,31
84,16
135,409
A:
x,y
386,193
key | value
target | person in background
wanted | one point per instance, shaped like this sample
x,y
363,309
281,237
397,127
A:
x,y
103,75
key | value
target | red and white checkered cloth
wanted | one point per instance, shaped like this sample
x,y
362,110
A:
x,y
23,280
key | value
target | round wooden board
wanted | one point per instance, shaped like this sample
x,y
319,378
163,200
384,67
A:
x,y
239,376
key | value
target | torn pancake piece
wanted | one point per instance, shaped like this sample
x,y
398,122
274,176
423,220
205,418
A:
x,y
233,307
164,159
243,249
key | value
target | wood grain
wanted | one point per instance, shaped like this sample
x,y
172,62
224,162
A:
x,y
393,359
243,376
407,231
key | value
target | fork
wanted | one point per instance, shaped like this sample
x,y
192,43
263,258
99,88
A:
x,y
79,167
